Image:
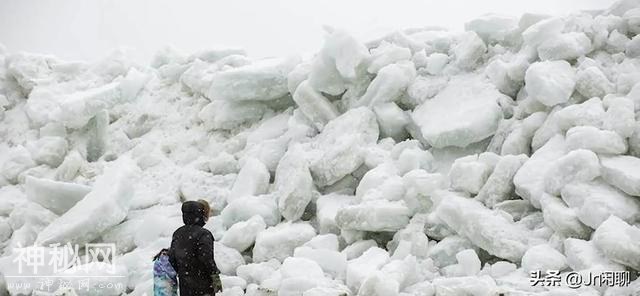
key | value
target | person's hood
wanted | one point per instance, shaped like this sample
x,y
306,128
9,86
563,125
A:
x,y
193,213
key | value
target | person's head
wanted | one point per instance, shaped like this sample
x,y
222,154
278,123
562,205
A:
x,y
207,209
193,213
162,252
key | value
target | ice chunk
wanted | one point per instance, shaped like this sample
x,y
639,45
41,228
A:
x,y
469,50
263,80
619,241
542,258
519,140
632,49
623,172
578,165
543,30
374,215
223,164
561,218
632,17
195,184
444,252
392,121
337,63
485,228
465,112
362,267
75,109
58,197
227,259
619,117
324,241
529,180
299,74
258,272
492,27
414,159
338,147
596,140
314,105
596,201
295,267
550,82
253,179
567,46
451,286
589,113
436,62
591,82
243,208
29,70
17,160
507,76
242,235
468,174
346,51
389,84
229,115
499,186
331,261
230,282
105,206
327,208
48,150
356,249
280,241
385,54
293,184
583,255
468,262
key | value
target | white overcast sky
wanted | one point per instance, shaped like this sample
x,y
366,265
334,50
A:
x,y
89,29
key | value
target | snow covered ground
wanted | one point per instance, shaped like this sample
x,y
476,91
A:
x,y
425,162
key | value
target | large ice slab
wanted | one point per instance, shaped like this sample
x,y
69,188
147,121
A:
x,y
578,165
499,186
58,197
596,140
377,215
337,150
623,172
550,82
314,105
465,112
280,241
483,227
529,181
596,201
243,208
105,206
293,184
242,235
619,241
263,80
253,179
75,109
567,46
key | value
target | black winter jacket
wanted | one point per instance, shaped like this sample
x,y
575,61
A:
x,y
191,253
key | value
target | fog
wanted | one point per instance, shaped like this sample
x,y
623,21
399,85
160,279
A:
x,y
87,30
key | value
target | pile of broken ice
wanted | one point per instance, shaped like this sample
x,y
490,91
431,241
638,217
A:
x,y
426,162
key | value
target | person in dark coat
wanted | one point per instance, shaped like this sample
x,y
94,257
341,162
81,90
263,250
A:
x,y
191,253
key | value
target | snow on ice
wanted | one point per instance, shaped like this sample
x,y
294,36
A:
x,y
425,162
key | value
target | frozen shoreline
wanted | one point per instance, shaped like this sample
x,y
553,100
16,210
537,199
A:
x,y
425,162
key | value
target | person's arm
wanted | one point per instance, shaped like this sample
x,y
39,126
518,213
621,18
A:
x,y
172,255
205,253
